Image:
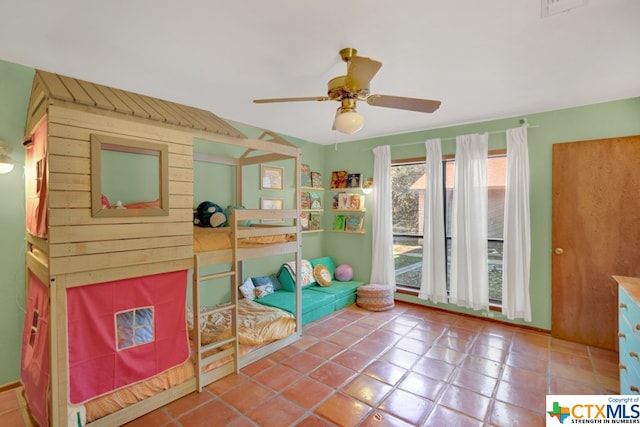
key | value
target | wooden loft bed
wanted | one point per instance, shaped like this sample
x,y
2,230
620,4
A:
x,y
72,242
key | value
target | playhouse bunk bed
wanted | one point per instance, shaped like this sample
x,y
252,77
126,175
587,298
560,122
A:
x,y
84,255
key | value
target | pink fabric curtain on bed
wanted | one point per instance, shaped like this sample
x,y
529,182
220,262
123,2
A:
x,y
35,368
36,182
96,366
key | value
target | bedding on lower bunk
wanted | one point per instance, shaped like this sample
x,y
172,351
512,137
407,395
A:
x,y
211,239
258,325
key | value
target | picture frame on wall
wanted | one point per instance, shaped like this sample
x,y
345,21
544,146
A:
x,y
271,203
271,177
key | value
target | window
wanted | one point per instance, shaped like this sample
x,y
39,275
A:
x,y
34,328
134,327
408,182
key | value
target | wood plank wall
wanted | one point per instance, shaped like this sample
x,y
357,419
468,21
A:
x,y
88,250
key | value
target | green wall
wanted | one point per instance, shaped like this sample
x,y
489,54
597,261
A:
x,y
15,88
590,122
612,119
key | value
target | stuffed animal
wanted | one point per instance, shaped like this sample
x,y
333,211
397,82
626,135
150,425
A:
x,y
209,214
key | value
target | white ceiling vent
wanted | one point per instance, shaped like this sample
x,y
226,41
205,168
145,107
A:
x,y
553,7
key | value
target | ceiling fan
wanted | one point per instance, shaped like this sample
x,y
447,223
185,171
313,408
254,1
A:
x,y
354,86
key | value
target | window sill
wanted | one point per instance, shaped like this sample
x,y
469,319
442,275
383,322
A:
x,y
414,292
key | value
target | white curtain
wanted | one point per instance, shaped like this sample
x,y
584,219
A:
x,y
517,233
382,266
434,273
469,276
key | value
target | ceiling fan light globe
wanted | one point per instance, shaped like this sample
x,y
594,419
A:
x,y
348,122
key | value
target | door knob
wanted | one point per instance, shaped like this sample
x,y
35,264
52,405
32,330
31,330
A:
x,y
559,251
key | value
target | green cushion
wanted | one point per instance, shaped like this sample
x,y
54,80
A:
x,y
338,289
286,300
287,282
328,262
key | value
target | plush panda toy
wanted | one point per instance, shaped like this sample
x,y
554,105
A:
x,y
208,214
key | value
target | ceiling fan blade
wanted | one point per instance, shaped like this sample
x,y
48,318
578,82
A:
x,y
402,103
307,98
360,72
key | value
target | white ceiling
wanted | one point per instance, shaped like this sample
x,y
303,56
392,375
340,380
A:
x,y
483,59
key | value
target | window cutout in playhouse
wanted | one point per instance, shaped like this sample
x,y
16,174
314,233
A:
x,y
34,328
134,327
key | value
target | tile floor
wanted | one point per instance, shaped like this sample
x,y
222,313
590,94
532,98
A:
x,y
406,367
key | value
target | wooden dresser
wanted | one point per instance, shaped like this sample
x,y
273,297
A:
x,y
629,333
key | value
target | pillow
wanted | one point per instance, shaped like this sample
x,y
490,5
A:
x,y
263,290
287,275
322,275
328,262
247,289
266,280
344,272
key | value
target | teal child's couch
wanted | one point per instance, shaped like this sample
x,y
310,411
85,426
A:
x,y
317,301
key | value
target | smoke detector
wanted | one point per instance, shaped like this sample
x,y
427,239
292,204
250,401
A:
x,y
553,7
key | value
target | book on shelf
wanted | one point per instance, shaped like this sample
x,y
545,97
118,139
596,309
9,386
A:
x,y
305,200
338,223
344,201
316,179
305,175
353,222
315,200
315,222
356,201
354,180
304,221
339,179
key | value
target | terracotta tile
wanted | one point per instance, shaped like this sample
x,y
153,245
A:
x,y
526,362
569,347
503,331
385,371
188,402
518,396
247,396
445,354
609,385
402,358
154,418
319,331
493,341
421,386
413,345
332,374
465,401
433,368
12,418
383,337
561,386
525,379
343,410
428,337
582,362
459,330
572,373
342,338
352,360
9,401
398,328
227,383
482,366
407,406
313,421
276,412
307,392
369,348
201,416
325,350
458,344
486,352
283,353
278,377
357,330
367,390
599,354
241,422
606,368
436,328
406,319
303,362
505,415
475,382
305,342
257,366
442,416
381,419
335,323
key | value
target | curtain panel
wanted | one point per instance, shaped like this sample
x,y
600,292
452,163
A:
x,y
382,266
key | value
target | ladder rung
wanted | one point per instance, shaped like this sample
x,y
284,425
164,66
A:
x,y
217,309
217,356
216,344
217,275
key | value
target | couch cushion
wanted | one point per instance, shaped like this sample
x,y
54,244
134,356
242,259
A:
x,y
286,300
286,275
337,289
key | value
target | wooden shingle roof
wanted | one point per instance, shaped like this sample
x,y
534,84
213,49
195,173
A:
x,y
51,88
